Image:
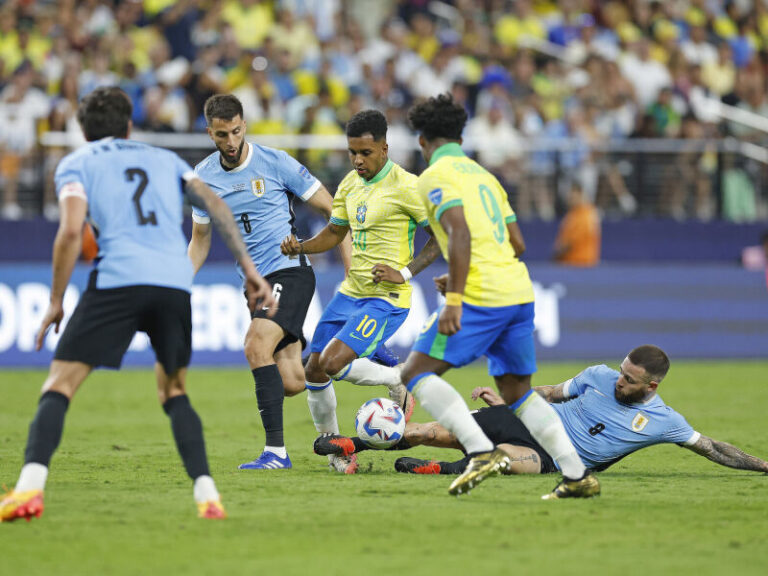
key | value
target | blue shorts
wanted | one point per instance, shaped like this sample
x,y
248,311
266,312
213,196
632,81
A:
x,y
503,334
363,324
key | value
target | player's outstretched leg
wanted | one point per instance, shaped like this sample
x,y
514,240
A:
x,y
585,487
448,407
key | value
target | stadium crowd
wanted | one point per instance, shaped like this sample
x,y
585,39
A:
x,y
553,88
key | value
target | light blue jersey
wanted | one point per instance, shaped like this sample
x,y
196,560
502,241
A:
x,y
260,192
603,430
135,198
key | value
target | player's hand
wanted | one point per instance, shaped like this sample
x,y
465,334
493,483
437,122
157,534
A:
x,y
290,246
384,273
53,315
440,283
487,395
449,321
260,293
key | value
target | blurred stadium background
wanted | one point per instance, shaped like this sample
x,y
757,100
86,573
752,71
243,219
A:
x,y
656,110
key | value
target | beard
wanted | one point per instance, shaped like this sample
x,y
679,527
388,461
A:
x,y
233,159
629,397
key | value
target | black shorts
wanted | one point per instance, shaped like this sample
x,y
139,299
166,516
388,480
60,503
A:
x,y
105,321
294,289
502,427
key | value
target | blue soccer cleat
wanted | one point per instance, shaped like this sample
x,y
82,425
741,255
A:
x,y
385,356
267,461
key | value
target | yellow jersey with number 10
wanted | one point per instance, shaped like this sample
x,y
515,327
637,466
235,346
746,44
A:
x,y
382,215
496,277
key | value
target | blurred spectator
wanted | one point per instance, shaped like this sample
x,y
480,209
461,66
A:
x,y
522,24
579,236
696,49
646,75
720,76
498,144
22,106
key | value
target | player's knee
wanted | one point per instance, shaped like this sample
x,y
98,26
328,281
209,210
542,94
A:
x,y
61,385
331,364
258,353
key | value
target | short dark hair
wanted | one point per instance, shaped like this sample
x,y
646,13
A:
x,y
651,358
105,112
224,106
370,122
438,117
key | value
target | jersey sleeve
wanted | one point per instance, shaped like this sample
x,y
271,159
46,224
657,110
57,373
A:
x,y
70,178
589,377
199,215
438,194
679,431
339,214
413,205
296,178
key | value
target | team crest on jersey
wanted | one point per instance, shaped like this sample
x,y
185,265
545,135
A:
x,y
257,187
362,210
639,421
436,196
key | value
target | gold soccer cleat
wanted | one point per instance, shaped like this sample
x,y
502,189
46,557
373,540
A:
x,y
587,487
479,468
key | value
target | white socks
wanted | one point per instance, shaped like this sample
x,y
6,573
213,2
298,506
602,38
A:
x,y
363,372
546,427
205,489
277,451
32,477
447,407
322,405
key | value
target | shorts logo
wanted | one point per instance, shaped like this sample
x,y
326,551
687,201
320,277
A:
x,y
429,322
639,422
362,210
436,196
257,187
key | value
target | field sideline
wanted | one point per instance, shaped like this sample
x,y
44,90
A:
x,y
118,501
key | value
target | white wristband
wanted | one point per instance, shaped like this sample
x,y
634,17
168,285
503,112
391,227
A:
x,y
405,272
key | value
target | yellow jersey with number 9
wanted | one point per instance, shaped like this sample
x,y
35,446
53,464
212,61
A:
x,y
496,277
382,215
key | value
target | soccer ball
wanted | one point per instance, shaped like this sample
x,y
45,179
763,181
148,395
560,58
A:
x,y
380,423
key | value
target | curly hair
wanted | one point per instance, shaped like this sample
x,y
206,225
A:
x,y
105,112
367,122
438,117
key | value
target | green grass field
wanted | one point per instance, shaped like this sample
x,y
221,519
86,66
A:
x,y
118,501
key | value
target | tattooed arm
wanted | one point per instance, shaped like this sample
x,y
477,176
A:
x,y
727,455
552,394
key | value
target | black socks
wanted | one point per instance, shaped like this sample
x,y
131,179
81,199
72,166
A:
x,y
188,433
46,428
269,396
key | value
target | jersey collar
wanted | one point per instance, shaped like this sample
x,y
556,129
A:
x,y
381,174
244,165
450,149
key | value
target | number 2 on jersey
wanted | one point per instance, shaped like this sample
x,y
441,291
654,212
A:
x,y
493,212
130,175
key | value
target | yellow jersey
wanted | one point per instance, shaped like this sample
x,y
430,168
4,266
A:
x,y
382,215
496,277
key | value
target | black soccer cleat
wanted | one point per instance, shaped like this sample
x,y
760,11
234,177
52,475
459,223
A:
x,y
417,466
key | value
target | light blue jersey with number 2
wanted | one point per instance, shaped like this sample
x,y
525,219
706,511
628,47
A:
x,y
135,205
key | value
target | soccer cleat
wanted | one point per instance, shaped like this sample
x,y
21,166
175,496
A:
x,y
417,466
211,509
15,505
384,356
586,487
267,461
343,464
480,467
335,444
399,395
